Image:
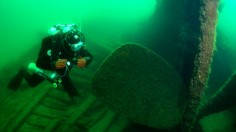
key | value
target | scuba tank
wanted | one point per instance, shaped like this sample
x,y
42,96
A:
x,y
51,76
62,28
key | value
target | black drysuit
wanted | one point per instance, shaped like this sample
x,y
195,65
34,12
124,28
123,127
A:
x,y
52,49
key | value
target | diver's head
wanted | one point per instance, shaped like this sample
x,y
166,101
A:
x,y
74,40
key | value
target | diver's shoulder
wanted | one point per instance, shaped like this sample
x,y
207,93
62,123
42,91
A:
x,y
47,38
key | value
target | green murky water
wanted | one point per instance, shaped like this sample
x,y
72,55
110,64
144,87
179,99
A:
x,y
163,26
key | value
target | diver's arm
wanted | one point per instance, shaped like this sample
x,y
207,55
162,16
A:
x,y
44,61
83,58
85,54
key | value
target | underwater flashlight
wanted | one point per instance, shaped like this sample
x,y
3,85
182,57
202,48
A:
x,y
68,63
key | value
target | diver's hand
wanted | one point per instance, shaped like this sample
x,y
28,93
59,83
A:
x,y
81,62
60,63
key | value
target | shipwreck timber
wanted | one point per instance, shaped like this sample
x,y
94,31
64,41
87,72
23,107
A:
x,y
208,20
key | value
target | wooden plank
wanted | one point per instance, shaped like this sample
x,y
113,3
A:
x,y
76,112
54,104
103,124
36,120
59,94
119,123
31,101
29,128
48,112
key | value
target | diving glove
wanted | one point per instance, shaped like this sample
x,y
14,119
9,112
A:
x,y
60,63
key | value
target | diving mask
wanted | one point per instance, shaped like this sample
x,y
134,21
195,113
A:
x,y
76,47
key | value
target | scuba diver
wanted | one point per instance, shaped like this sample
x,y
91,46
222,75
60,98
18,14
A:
x,y
59,53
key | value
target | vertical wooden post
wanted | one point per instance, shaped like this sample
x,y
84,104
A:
x,y
208,20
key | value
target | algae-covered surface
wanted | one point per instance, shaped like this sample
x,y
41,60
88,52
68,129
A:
x,y
137,82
